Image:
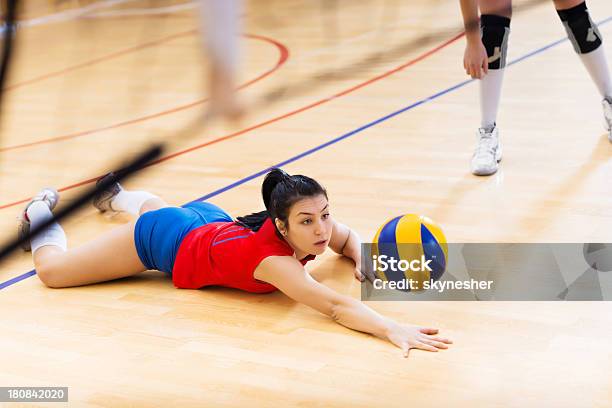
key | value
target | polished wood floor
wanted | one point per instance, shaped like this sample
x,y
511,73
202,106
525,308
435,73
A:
x,y
94,82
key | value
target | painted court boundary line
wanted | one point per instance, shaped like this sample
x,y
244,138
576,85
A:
x,y
102,58
380,120
344,136
283,56
272,120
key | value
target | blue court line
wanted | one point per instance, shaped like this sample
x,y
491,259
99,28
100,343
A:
x,y
380,120
333,141
344,136
17,279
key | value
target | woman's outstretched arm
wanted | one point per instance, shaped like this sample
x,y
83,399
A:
x,y
289,276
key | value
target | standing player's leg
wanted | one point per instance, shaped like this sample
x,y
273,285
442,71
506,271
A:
x,y
588,44
220,25
494,32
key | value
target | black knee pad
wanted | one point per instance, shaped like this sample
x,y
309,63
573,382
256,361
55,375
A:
x,y
494,31
581,30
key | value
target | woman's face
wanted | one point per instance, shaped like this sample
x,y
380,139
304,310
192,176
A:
x,y
310,226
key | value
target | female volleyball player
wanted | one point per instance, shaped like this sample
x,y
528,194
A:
x,y
199,245
485,59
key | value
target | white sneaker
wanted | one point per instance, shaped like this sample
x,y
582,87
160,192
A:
x,y
49,196
607,110
488,152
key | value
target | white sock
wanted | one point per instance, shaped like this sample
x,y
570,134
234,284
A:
x,y
490,94
131,201
38,214
220,21
597,65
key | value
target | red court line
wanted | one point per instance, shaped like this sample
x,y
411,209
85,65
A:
x,y
283,57
276,119
98,60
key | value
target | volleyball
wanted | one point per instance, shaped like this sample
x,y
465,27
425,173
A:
x,y
410,247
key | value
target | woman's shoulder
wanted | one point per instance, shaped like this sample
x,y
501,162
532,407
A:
x,y
272,265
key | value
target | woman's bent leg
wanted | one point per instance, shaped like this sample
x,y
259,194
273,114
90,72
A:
x,y
111,256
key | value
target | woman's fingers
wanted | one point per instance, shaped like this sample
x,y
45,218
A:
x,y
423,338
440,339
425,346
428,330
436,344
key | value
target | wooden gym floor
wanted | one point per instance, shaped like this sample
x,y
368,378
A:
x,y
94,82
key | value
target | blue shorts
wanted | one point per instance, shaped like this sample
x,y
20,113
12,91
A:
x,y
158,234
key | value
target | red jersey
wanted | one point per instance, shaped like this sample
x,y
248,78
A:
x,y
226,254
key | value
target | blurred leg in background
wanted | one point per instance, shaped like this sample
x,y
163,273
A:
x,y
221,29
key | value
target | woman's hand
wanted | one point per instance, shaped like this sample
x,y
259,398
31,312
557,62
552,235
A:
x,y
475,59
408,337
360,276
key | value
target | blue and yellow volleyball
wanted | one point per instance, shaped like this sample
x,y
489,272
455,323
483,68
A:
x,y
409,237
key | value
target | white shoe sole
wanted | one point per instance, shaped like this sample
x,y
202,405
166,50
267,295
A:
x,y
488,172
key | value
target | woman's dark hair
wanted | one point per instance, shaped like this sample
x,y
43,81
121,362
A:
x,y
280,191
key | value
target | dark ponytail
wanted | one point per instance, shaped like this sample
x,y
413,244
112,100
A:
x,y
272,179
279,192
